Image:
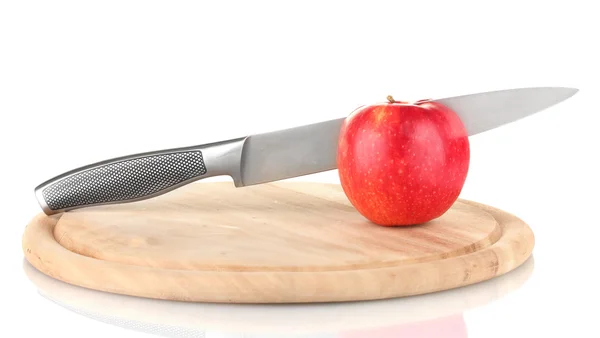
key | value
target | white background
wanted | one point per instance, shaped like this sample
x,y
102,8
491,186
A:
x,y
83,81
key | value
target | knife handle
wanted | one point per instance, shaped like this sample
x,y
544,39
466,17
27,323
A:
x,y
140,176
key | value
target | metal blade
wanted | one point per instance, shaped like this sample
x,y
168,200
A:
x,y
291,152
312,148
485,111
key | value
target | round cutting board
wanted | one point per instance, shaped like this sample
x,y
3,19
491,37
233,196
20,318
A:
x,y
285,242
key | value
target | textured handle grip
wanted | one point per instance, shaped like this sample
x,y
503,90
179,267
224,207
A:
x,y
122,180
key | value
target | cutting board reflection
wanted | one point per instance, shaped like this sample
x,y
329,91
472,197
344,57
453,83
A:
x,y
273,243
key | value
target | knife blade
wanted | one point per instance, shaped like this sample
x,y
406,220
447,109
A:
x,y
261,158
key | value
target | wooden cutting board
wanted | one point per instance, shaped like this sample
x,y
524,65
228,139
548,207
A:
x,y
285,242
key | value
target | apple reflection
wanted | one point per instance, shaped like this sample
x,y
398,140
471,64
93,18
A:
x,y
437,314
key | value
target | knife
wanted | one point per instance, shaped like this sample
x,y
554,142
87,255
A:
x,y
261,158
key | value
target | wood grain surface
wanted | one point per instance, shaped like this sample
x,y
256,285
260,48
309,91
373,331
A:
x,y
285,242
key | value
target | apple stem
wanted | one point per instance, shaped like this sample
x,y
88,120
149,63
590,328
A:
x,y
391,99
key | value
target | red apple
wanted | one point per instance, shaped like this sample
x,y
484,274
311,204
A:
x,y
403,163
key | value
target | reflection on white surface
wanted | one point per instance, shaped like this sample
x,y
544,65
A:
x,y
431,315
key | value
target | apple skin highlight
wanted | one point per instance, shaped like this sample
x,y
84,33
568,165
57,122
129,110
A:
x,y
403,163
